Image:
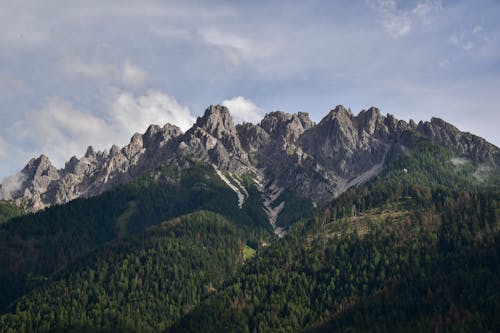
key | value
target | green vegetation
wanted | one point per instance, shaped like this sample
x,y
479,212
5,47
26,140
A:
x,y
417,249
337,281
36,246
143,283
248,253
430,165
294,210
9,211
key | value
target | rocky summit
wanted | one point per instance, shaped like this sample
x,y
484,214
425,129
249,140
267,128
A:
x,y
283,152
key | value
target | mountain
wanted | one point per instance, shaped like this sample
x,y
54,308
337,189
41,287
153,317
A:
x,y
287,154
407,251
357,223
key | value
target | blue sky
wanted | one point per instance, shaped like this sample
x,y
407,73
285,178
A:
x,y
76,73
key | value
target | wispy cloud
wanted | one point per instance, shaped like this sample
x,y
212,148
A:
x,y
133,76
473,38
136,113
11,184
130,75
462,41
243,109
90,69
233,47
400,22
60,130
407,57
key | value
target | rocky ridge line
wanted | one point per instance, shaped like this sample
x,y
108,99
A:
x,y
316,161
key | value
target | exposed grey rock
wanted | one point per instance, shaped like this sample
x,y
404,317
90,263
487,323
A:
x,y
218,123
314,161
349,145
445,134
214,139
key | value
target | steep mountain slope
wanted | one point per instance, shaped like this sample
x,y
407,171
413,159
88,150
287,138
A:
x,y
405,258
157,276
34,247
423,196
427,223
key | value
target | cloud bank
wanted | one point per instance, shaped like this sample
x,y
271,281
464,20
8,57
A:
x,y
61,130
243,110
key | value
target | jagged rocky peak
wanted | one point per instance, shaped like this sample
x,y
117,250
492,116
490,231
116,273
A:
x,y
90,152
346,144
284,125
475,147
156,136
439,129
40,166
71,164
369,120
315,161
218,123
252,137
339,112
40,173
443,124
114,150
135,146
336,126
136,140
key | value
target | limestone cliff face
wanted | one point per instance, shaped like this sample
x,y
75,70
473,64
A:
x,y
214,139
317,161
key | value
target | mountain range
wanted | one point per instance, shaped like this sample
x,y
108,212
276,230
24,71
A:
x,y
360,223
317,162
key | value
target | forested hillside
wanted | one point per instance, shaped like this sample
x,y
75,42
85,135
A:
x,y
143,283
404,266
35,246
414,249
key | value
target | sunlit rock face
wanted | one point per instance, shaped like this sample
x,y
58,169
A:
x,y
317,161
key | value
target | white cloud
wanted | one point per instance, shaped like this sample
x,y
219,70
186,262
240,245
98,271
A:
x,y
398,22
234,47
91,69
60,130
243,109
462,41
133,76
478,38
137,113
129,74
11,184
425,9
3,149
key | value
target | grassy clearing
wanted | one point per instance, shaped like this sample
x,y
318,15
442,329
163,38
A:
x,y
389,217
248,253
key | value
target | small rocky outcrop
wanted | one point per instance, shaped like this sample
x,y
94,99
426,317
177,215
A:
x,y
473,146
